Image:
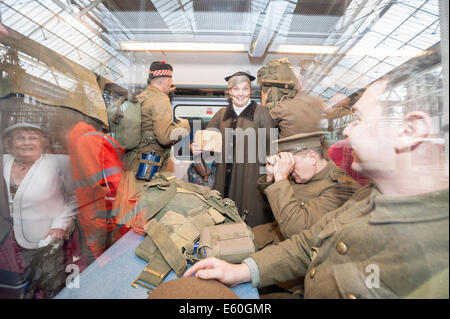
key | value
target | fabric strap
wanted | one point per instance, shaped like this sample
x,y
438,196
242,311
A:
x,y
166,246
157,267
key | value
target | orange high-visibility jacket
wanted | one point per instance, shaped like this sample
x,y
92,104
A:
x,y
97,169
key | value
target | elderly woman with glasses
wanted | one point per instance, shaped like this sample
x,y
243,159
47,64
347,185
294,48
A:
x,y
41,202
245,128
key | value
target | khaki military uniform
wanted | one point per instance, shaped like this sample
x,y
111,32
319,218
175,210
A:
x,y
297,207
402,241
300,114
158,130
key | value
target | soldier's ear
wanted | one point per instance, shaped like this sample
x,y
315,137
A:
x,y
415,127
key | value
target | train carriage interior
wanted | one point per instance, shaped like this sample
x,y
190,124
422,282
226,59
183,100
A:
x,y
68,61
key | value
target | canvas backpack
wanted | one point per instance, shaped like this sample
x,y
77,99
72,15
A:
x,y
277,75
124,119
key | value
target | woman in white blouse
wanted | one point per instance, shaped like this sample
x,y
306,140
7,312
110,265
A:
x,y
40,199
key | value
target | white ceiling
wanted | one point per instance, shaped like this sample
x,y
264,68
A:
x,y
372,37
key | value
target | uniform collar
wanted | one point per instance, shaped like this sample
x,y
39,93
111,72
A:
x,y
326,171
147,90
407,209
248,113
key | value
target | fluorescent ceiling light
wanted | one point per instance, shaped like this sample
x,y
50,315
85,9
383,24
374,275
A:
x,y
183,46
241,47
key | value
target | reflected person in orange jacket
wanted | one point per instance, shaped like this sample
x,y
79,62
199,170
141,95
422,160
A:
x,y
97,168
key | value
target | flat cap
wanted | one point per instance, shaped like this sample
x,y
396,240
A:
x,y
300,142
18,126
192,288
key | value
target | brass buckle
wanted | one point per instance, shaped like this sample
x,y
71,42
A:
x,y
138,282
154,273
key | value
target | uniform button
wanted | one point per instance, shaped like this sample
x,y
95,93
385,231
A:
x,y
341,248
312,273
351,296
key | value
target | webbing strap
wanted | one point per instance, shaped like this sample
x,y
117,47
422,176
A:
x,y
146,161
166,246
152,207
215,241
157,204
183,190
198,189
155,271
235,235
223,210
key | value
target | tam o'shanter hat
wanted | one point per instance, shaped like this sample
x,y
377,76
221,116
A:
x,y
21,126
300,142
250,77
159,69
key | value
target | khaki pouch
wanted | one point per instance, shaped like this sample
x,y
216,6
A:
x,y
230,242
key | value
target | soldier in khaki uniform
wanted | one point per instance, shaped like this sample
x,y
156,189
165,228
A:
x,y
384,246
301,186
158,130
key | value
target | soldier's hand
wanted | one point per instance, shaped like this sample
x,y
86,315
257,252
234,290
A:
x,y
196,149
213,268
183,123
264,96
283,166
270,162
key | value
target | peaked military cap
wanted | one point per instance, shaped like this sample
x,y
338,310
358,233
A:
x,y
250,77
300,142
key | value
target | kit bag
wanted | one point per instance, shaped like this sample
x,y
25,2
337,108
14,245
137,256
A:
x,y
230,242
277,75
124,119
175,214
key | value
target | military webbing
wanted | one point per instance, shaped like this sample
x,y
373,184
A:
x,y
171,237
192,187
279,84
166,246
117,114
157,267
223,207
149,171
216,238
219,251
152,207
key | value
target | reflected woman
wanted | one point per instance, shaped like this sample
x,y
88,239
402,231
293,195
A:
x,y
41,202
